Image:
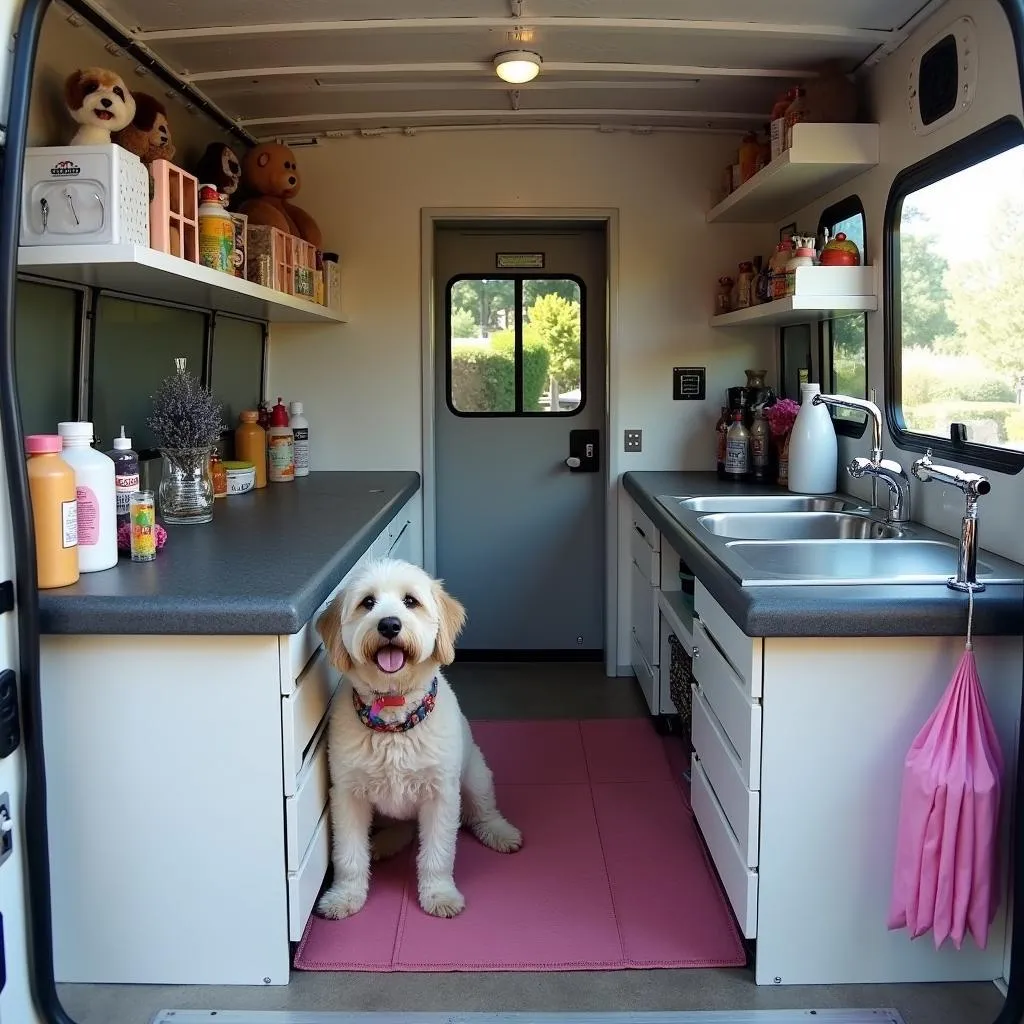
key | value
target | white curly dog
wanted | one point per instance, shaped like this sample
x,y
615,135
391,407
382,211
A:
x,y
399,744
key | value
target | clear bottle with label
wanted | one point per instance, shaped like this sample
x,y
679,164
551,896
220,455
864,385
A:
x,y
280,446
737,448
760,447
96,497
126,475
300,434
51,485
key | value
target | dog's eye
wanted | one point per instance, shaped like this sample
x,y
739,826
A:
x,y
119,92
367,602
89,88
410,602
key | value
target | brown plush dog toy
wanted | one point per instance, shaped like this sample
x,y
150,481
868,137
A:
x,y
220,166
270,173
149,134
100,102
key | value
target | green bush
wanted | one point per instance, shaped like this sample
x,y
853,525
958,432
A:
x,y
930,377
483,377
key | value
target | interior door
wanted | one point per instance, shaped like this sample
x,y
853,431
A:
x,y
520,395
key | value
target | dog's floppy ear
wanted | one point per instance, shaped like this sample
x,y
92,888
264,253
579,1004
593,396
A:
x,y
329,628
74,89
451,617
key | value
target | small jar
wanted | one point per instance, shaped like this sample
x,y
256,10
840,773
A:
x,y
142,516
745,285
220,476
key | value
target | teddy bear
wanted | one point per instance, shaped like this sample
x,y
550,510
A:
x,y
100,102
149,134
270,175
220,166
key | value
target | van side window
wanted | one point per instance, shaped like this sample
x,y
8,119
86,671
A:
x,y
516,346
844,340
954,301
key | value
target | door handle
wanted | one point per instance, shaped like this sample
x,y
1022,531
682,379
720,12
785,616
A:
x,y
573,462
584,451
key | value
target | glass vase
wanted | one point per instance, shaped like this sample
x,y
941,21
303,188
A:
x,y
186,485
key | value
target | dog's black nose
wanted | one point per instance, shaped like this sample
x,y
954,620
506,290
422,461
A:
x,y
105,102
390,627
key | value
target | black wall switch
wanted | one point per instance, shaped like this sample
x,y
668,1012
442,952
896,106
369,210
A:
x,y
688,383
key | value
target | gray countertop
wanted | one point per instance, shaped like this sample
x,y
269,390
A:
x,y
264,565
903,610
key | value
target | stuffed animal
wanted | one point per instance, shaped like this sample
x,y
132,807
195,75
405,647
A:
x,y
271,173
100,102
220,166
149,134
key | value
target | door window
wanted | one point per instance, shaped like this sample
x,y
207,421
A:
x,y
515,346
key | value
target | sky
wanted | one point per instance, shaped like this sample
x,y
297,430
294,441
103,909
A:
x,y
959,207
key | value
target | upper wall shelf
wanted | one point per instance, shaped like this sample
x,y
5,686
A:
x,y
796,310
822,157
148,273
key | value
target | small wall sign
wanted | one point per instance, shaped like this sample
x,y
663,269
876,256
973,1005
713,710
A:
x,y
520,260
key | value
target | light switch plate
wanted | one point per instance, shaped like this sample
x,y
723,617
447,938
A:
x,y
633,441
688,383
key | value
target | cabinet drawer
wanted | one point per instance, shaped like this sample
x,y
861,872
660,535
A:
x,y
297,649
645,557
645,675
738,880
303,810
646,616
302,713
745,653
739,714
304,884
741,806
642,523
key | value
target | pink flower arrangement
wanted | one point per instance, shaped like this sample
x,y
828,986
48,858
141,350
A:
x,y
781,416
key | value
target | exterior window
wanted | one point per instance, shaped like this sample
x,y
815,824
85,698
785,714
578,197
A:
x,y
844,340
515,346
955,301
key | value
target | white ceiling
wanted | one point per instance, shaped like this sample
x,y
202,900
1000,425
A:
x,y
299,68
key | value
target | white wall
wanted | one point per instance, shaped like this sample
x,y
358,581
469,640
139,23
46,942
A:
x,y
998,94
361,382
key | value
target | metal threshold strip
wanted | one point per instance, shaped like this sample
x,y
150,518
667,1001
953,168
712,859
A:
x,y
853,1016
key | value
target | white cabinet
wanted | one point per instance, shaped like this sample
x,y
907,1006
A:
x,y
188,797
645,631
799,745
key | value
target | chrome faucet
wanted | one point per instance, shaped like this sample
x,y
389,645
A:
x,y
973,485
889,472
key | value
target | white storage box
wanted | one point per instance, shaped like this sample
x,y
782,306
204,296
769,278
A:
x,y
831,281
79,194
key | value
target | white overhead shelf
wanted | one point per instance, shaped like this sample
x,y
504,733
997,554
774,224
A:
x,y
147,273
796,310
822,157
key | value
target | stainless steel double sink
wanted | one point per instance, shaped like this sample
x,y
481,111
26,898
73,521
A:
x,y
793,539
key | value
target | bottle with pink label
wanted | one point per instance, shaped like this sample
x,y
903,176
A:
x,y
96,495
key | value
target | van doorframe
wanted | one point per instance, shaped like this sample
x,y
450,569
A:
x,y
430,219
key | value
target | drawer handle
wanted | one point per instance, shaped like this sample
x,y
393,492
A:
x,y
696,651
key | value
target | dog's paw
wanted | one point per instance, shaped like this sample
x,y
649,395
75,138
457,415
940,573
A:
x,y
391,839
498,834
341,901
442,900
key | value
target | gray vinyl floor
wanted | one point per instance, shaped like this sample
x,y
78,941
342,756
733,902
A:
x,y
535,691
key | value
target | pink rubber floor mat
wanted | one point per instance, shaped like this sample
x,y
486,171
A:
x,y
612,873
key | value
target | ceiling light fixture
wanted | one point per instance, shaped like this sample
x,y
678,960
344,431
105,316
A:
x,y
517,66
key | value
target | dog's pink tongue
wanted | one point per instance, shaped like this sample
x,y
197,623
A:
x,y
390,659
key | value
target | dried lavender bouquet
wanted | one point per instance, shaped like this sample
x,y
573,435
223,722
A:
x,y
185,416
